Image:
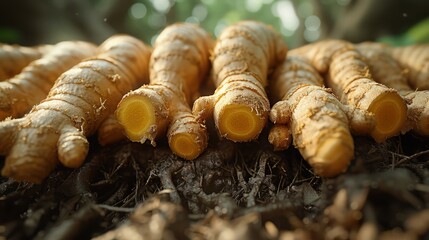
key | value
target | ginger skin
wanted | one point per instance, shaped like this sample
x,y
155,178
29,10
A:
x,y
20,93
79,101
110,131
243,56
14,58
179,64
317,121
349,76
415,60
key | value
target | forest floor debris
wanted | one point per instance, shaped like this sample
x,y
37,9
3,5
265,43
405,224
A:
x,y
232,191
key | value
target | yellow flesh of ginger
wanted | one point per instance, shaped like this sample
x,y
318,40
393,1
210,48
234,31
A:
x,y
185,145
390,113
239,122
137,115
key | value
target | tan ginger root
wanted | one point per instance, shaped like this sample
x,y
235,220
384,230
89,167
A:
x,y
415,59
317,120
14,58
20,93
80,100
179,63
110,131
387,71
348,74
244,55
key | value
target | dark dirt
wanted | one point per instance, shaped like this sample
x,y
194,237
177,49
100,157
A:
x,y
233,191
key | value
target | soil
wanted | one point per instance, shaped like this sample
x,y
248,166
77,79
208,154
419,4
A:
x,y
232,191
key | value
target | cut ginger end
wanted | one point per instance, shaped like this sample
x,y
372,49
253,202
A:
x,y
390,113
239,123
185,145
136,114
334,155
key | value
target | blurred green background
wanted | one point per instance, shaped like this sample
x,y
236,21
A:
x,y
30,22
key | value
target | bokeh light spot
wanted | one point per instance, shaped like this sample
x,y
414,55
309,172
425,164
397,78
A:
x,y
200,12
138,10
312,23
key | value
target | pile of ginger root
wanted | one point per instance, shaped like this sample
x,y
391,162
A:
x,y
316,97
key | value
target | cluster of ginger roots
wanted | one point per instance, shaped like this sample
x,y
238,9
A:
x,y
53,97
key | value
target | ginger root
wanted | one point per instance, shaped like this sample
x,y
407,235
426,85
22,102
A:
x,y
20,93
14,58
348,74
179,63
415,60
110,131
79,101
386,70
243,56
317,120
